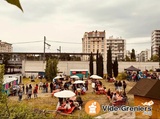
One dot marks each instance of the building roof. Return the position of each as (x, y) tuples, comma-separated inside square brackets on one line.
[(147, 88), (96, 34), (132, 68)]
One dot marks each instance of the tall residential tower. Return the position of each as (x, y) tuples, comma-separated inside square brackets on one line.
[(155, 42)]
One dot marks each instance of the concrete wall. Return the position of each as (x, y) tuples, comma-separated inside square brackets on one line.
[(65, 66)]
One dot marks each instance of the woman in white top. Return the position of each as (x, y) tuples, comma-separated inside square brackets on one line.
[(67, 106)]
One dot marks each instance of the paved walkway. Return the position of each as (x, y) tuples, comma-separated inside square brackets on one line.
[(118, 115)]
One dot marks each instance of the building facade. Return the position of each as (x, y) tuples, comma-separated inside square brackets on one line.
[(96, 40), (145, 56), (155, 42), (5, 47), (93, 41), (118, 47)]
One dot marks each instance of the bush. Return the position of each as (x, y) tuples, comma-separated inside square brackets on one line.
[(122, 76), (151, 70), (19, 111)]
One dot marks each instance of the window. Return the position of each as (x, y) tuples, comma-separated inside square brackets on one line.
[(97, 34), (93, 34)]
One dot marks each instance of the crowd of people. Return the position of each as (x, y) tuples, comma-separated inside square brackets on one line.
[(119, 94), (137, 75), (78, 89), (65, 104)]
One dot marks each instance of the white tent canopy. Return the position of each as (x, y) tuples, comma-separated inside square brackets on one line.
[(75, 77), (96, 77), (57, 77), (78, 81), (64, 94), (8, 80)]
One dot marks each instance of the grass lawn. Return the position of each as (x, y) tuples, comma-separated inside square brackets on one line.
[(49, 103)]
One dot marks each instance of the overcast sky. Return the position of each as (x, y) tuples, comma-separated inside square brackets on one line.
[(64, 21)]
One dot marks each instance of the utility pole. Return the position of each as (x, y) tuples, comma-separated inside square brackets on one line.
[(44, 56), (59, 49)]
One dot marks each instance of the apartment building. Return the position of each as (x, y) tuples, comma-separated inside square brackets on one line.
[(93, 41), (155, 42), (118, 47), (5, 47), (128, 53), (96, 40), (145, 55)]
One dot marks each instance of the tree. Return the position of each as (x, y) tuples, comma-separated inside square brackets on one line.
[(109, 62), (97, 65), (127, 58), (1, 80), (100, 62), (133, 56), (51, 69), (115, 68), (75, 58), (16, 3), (91, 64), (65, 57), (155, 58), (6, 58)]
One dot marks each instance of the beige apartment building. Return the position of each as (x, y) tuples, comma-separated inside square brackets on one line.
[(155, 42), (145, 55), (118, 47), (5, 47), (93, 41), (96, 40)]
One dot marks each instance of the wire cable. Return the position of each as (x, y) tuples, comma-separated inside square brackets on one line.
[(26, 42)]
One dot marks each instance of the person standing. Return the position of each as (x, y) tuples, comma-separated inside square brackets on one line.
[(35, 92), (20, 93), (120, 86), (23, 88), (40, 85), (46, 87), (86, 84), (93, 85), (27, 89), (29, 92), (51, 87), (79, 100), (116, 85), (124, 85)]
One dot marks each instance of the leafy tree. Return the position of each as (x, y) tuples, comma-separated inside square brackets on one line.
[(5, 60), (16, 3), (1, 80), (127, 58), (91, 64), (97, 65), (115, 68), (75, 58), (65, 57), (10, 110), (100, 62), (51, 69), (109, 62), (155, 58), (133, 56)]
